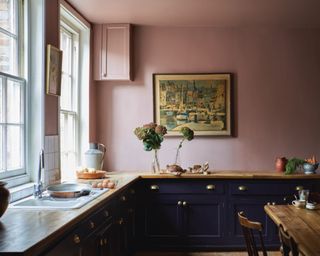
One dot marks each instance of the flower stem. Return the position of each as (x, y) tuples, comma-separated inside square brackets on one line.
[(178, 151)]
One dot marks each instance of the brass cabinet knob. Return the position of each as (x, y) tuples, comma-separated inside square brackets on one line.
[(179, 203), (123, 198), (101, 242), (184, 203), (105, 241), (106, 213), (91, 224), (211, 187), (242, 188), (76, 239), (154, 187), (121, 221), (298, 188)]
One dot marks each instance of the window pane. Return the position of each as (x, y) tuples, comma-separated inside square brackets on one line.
[(8, 54), (71, 133), (66, 93), (1, 102), (14, 102), (14, 147), (66, 41), (1, 150), (8, 10)]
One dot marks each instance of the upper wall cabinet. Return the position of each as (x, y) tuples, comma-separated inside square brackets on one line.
[(112, 53)]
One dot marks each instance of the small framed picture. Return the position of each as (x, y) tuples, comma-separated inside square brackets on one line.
[(53, 74), (201, 102)]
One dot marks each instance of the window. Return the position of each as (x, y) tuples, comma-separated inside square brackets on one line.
[(69, 114), (12, 91)]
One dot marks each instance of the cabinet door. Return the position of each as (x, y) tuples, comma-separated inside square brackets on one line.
[(162, 221), (106, 245), (253, 207), (112, 46), (203, 221)]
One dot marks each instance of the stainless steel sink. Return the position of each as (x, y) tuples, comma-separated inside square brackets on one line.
[(52, 203)]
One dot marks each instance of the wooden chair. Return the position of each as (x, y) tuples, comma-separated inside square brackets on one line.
[(249, 228), (287, 243)]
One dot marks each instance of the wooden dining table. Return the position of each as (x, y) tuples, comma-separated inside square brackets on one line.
[(302, 225)]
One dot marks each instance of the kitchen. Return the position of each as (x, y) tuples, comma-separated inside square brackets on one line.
[(270, 49)]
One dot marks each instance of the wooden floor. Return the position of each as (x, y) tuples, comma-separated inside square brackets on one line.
[(200, 254)]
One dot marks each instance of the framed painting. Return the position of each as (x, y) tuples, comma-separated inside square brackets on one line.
[(53, 68), (198, 101)]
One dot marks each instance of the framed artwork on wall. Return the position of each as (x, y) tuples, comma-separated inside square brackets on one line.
[(53, 70), (201, 102)]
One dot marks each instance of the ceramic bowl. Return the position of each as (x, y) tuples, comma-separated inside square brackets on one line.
[(310, 168)]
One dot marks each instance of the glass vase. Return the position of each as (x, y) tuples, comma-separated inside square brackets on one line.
[(155, 162)]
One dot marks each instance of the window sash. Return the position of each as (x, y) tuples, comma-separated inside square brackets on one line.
[(68, 103), (16, 35), (5, 172)]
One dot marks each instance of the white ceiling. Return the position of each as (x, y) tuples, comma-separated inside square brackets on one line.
[(208, 13)]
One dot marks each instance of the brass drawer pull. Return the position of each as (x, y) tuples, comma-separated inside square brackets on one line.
[(76, 239), (91, 224), (154, 187), (121, 221), (243, 188), (123, 198), (106, 213), (184, 203), (211, 187), (298, 188), (179, 203), (105, 241)]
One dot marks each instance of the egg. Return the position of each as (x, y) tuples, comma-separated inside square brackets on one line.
[(99, 185), (94, 184), (111, 184)]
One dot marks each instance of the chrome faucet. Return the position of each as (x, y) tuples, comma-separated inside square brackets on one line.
[(38, 187)]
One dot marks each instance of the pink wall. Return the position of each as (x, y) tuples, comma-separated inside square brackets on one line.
[(52, 37), (276, 90)]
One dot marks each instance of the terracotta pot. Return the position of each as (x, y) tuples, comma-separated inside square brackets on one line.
[(4, 197), (281, 164)]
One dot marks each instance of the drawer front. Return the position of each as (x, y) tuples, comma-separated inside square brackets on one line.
[(183, 187), (268, 188)]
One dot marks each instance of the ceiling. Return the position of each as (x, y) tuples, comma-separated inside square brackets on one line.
[(204, 13)]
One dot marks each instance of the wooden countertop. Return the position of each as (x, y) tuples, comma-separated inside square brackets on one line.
[(301, 224), (29, 231), (233, 175)]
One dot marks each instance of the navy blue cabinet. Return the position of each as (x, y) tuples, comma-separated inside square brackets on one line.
[(201, 214), (181, 214)]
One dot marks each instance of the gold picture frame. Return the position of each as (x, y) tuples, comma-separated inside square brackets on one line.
[(201, 102), (53, 70)]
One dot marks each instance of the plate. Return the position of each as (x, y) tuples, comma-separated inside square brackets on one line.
[(91, 175)]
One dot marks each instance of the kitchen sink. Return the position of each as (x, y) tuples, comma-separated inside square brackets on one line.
[(52, 203)]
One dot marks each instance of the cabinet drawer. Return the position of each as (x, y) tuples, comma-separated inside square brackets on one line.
[(183, 187), (268, 188)]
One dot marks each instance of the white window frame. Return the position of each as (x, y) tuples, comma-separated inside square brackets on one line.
[(70, 16), (18, 176), (73, 32)]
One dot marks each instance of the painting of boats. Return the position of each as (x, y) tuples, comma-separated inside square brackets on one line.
[(198, 101)]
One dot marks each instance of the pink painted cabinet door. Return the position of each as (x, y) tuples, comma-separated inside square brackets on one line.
[(111, 51)]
